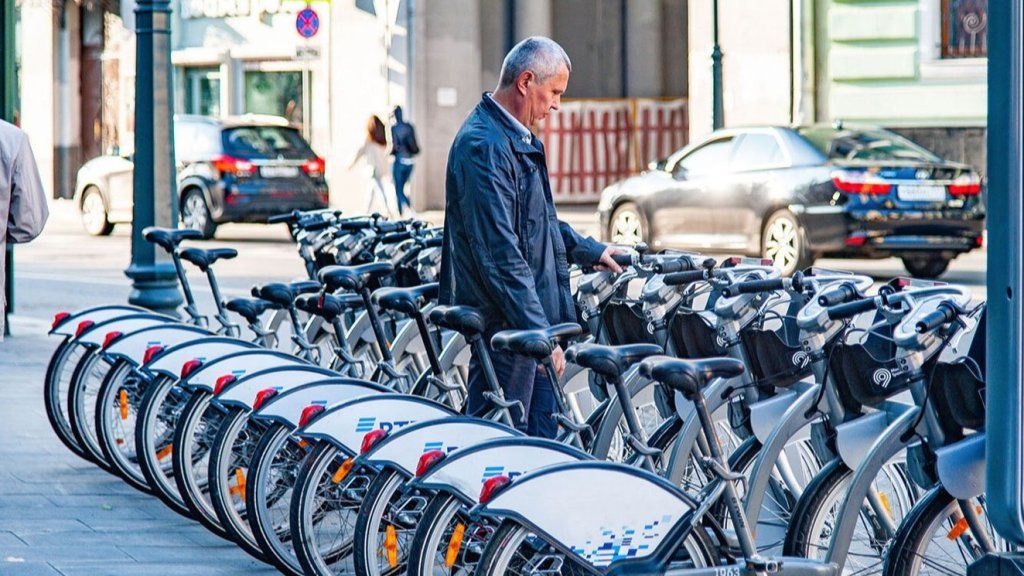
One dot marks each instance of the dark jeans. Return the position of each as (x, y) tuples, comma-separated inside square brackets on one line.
[(400, 173), (519, 380)]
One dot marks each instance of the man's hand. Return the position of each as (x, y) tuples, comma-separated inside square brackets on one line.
[(558, 360), (605, 262)]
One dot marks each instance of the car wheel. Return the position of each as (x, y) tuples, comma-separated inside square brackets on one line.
[(195, 214), (785, 243), (94, 213), (627, 226), (925, 266)]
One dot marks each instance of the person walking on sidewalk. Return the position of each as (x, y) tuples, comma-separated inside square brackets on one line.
[(404, 148), (23, 209), (505, 252), (373, 152)]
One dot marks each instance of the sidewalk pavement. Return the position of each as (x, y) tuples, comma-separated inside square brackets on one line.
[(63, 516)]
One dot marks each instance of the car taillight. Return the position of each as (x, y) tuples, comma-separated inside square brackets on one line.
[(965, 185), (860, 182), (236, 166), (58, 318), (492, 486), (314, 168)]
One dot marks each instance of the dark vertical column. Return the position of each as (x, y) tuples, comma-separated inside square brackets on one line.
[(8, 84)]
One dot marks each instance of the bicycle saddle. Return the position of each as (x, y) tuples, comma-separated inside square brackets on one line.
[(465, 320), (689, 376), (405, 300), (203, 259), (353, 277), (249, 308), (328, 306), (169, 238), (284, 294), (610, 361), (536, 344)]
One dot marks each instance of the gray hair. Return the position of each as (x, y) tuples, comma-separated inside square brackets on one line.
[(538, 54)]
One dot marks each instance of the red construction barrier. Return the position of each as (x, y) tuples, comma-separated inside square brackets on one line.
[(593, 143)]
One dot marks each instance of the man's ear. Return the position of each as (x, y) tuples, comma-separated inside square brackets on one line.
[(525, 79)]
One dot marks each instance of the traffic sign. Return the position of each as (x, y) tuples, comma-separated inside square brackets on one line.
[(307, 22)]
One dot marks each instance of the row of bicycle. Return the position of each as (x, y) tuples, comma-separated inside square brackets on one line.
[(714, 418)]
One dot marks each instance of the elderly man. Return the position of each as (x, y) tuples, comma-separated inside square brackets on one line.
[(505, 250)]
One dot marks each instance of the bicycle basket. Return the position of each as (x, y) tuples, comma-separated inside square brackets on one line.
[(624, 324), (695, 336), (774, 353), (865, 373), (958, 388)]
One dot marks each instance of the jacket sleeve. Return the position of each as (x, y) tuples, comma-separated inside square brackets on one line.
[(582, 250), (28, 200), (489, 204)]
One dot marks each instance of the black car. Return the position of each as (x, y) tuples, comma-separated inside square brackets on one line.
[(795, 194), (239, 169)]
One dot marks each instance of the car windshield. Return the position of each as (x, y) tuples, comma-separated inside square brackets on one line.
[(265, 142), (865, 144)]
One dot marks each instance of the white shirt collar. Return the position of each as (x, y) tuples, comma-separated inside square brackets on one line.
[(523, 131)]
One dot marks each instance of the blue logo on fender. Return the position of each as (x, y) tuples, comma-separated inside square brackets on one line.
[(439, 446), (365, 424), (492, 471)]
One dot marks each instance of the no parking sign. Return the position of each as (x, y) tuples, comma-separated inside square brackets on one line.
[(307, 22)]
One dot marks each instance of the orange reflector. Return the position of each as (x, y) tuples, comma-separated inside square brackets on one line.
[(122, 401), (303, 444), (239, 488), (164, 452), (454, 545), (119, 441), (343, 470), (885, 503), (391, 546), (958, 529)]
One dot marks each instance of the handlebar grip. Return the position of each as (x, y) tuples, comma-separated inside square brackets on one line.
[(838, 295), (282, 218), (672, 266), (755, 286), (683, 278), (315, 225), (623, 259), (395, 237), (433, 242), (386, 227), (942, 314), (353, 225), (851, 309)]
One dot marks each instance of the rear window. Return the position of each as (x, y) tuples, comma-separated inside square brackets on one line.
[(865, 144), (265, 142)]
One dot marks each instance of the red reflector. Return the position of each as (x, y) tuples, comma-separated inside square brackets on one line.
[(190, 367), (371, 438), (427, 461), (262, 396), (314, 167), (83, 326), (58, 318), (492, 486), (979, 241), (151, 352), (308, 413), (110, 337), (222, 382), (859, 182), (856, 240)]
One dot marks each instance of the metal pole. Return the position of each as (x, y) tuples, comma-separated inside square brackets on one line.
[(154, 283), (717, 110), (7, 88)]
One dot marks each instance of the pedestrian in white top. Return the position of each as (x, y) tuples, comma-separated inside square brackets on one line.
[(374, 154)]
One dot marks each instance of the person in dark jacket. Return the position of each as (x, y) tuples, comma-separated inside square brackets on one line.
[(404, 148), (505, 251)]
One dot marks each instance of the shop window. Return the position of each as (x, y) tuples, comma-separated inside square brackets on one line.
[(202, 91), (275, 93), (964, 28)]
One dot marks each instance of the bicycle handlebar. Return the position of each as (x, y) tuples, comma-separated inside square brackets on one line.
[(838, 295), (944, 313), (850, 309)]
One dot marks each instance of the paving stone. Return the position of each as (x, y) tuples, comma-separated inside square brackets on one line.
[(12, 567)]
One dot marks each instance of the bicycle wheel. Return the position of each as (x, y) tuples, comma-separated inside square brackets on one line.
[(385, 526), (228, 471), (816, 513), (447, 542), (514, 550), (936, 538), (159, 411), (57, 387), (86, 380), (272, 477), (116, 414), (193, 439), (325, 503), (609, 441)]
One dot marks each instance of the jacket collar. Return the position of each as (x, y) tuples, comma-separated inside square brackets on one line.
[(502, 118)]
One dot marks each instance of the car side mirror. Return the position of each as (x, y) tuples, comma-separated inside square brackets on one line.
[(658, 165)]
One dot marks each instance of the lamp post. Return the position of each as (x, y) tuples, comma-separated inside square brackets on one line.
[(154, 283), (717, 113)]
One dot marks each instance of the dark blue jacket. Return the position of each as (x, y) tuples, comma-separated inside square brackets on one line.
[(505, 251)]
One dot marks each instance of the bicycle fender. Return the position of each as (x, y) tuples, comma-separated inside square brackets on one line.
[(242, 393), (854, 439), (97, 314), (286, 407), (170, 361), (238, 365), (961, 467), (402, 449), (133, 345)]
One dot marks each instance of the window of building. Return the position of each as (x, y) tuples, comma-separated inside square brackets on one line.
[(964, 28), (202, 91)]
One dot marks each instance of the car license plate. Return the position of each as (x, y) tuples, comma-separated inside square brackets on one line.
[(921, 193), (279, 171)]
